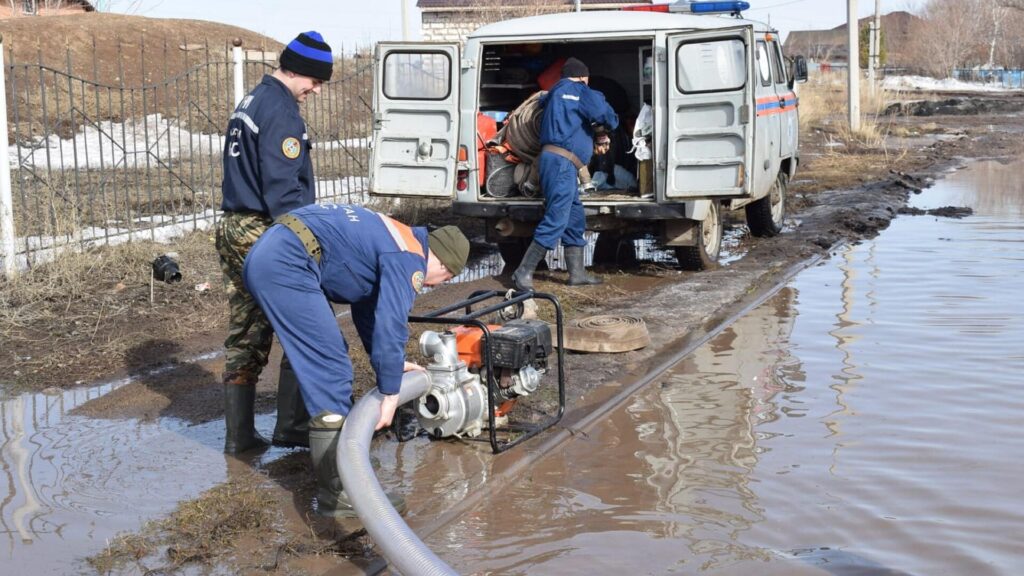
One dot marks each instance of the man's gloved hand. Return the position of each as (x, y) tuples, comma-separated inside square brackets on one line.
[(602, 141)]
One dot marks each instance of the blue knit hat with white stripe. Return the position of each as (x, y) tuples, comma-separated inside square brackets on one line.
[(308, 55)]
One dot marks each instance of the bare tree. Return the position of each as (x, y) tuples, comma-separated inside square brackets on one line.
[(998, 15), (951, 34)]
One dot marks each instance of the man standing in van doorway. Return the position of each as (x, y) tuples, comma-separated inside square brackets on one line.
[(571, 108), (267, 173)]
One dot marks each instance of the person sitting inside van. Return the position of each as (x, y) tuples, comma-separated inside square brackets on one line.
[(605, 173)]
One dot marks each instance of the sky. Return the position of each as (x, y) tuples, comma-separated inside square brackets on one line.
[(360, 23)]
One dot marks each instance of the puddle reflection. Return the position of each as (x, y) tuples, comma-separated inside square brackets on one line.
[(69, 482), (862, 420)]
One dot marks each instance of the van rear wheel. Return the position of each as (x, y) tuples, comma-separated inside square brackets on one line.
[(766, 216), (613, 248), (704, 254)]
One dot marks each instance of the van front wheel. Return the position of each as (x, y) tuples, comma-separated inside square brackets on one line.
[(766, 215), (704, 254)]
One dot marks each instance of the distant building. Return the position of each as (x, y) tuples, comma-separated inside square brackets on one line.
[(18, 8), (453, 20), (829, 46)]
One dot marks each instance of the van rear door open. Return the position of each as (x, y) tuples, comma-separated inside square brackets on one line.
[(416, 121), (710, 113)]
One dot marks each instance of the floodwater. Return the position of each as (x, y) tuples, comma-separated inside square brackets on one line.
[(70, 483), (864, 420)]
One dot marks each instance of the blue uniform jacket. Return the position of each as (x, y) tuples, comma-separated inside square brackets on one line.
[(267, 167), (377, 265), (569, 110)]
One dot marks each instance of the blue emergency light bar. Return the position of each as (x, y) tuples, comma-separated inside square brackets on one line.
[(718, 7), (692, 7)]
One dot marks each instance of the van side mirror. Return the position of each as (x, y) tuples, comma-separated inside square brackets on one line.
[(798, 70)]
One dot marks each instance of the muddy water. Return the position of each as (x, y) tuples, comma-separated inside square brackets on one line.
[(864, 420), (70, 483)]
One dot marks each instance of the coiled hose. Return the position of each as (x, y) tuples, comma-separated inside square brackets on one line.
[(399, 543)]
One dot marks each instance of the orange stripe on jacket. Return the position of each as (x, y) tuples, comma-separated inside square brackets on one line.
[(403, 236)]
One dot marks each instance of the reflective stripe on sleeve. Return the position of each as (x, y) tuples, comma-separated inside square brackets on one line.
[(402, 235), (247, 120)]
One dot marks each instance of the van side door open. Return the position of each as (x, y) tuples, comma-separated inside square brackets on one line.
[(710, 113), (416, 121)]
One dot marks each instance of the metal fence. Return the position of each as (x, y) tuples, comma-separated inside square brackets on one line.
[(1009, 79), (95, 160)]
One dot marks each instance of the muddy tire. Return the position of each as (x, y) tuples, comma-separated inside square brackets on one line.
[(615, 249), (512, 253), (709, 243), (766, 216)]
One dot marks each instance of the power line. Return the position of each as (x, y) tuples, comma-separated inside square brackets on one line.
[(776, 5)]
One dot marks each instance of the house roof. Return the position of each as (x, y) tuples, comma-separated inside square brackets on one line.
[(451, 4), (827, 44)]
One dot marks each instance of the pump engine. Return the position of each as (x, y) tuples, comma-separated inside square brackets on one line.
[(457, 402)]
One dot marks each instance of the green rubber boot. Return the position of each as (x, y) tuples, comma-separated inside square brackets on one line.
[(331, 498), (522, 278), (292, 429), (239, 419)]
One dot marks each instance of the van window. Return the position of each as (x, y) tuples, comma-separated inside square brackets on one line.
[(762, 64), (711, 66), (780, 70), (417, 75)]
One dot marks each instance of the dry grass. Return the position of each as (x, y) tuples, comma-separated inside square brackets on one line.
[(198, 531), (82, 312), (823, 106)]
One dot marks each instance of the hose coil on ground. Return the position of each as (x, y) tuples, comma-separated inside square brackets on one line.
[(607, 333)]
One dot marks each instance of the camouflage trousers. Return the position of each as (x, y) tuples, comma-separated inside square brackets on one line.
[(250, 334)]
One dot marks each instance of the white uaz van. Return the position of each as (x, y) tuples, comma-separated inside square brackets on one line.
[(721, 130)]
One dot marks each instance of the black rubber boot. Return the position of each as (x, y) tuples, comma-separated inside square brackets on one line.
[(578, 275), (522, 278), (239, 418), (331, 498), (292, 429)]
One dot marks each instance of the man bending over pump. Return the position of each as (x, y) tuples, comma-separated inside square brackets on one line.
[(320, 254)]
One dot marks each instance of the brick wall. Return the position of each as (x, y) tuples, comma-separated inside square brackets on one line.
[(451, 26)]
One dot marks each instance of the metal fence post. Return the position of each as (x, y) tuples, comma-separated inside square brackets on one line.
[(236, 54), (6, 207)]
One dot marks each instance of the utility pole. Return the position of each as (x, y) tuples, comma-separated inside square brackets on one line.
[(579, 5), (405, 20), (854, 64), (875, 46)]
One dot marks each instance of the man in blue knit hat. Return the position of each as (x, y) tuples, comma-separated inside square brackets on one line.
[(267, 173)]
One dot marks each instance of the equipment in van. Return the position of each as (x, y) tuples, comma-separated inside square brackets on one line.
[(713, 115)]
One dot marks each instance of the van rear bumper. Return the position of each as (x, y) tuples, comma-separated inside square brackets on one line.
[(534, 212)]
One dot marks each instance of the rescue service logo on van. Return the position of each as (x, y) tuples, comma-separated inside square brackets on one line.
[(291, 148), (417, 280)]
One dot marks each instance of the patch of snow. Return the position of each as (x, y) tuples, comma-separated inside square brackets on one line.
[(113, 146), (924, 83)]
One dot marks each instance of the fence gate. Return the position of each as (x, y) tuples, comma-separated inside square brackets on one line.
[(125, 144)]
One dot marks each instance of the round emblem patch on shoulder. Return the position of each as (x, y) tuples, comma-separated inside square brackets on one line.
[(291, 147), (417, 280)]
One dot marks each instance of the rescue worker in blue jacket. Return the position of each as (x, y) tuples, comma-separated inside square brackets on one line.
[(346, 254), (267, 172), (571, 108)]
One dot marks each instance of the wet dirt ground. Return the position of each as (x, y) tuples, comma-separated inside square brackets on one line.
[(177, 409)]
